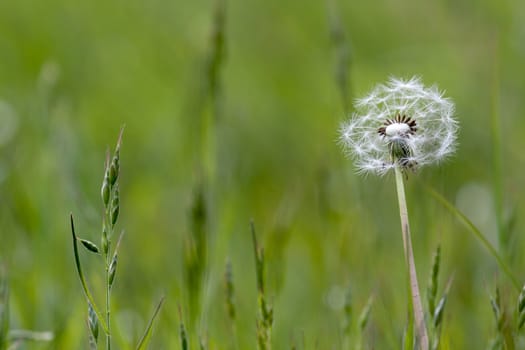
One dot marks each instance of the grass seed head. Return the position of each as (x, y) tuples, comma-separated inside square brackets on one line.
[(230, 302), (112, 270), (115, 206), (92, 322), (90, 246)]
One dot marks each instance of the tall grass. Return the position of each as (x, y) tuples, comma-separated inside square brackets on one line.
[(110, 195), (230, 111)]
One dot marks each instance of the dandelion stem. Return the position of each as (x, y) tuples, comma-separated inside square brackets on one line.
[(409, 256)]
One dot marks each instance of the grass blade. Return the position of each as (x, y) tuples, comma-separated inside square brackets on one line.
[(433, 281), (147, 333), (343, 56), (4, 308), (477, 233), (83, 280), (497, 162)]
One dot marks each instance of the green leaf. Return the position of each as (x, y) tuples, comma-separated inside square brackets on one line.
[(88, 295), (147, 333)]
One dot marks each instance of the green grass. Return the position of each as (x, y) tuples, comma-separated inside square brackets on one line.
[(241, 102)]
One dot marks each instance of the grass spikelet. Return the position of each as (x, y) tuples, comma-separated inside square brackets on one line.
[(433, 281), (495, 303), (182, 333), (346, 324), (521, 309), (265, 312), (90, 246), (436, 310), (437, 317), (217, 49), (362, 322), (110, 196), (228, 282), (93, 326), (365, 314), (197, 251), (504, 337), (343, 55), (439, 310), (230, 302)]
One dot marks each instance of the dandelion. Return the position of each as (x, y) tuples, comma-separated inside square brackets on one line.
[(400, 126), (400, 123)]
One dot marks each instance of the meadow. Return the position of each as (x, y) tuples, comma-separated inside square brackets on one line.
[(231, 113)]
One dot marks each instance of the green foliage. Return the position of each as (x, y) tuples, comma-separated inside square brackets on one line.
[(240, 102)]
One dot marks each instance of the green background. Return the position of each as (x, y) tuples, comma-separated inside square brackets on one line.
[(255, 125)]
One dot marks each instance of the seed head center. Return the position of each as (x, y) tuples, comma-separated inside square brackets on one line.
[(397, 129)]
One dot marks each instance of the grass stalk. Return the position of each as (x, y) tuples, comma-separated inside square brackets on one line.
[(111, 201), (342, 55), (4, 308), (497, 161), (477, 233), (108, 300), (419, 316), (264, 320)]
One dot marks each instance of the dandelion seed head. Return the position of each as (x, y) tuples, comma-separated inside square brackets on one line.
[(401, 119)]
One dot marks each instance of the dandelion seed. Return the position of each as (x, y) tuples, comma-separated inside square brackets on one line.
[(400, 123), (400, 126)]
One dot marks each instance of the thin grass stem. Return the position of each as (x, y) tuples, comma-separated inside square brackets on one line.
[(474, 230), (108, 301)]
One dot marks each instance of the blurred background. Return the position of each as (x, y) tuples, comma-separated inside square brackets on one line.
[(231, 112)]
